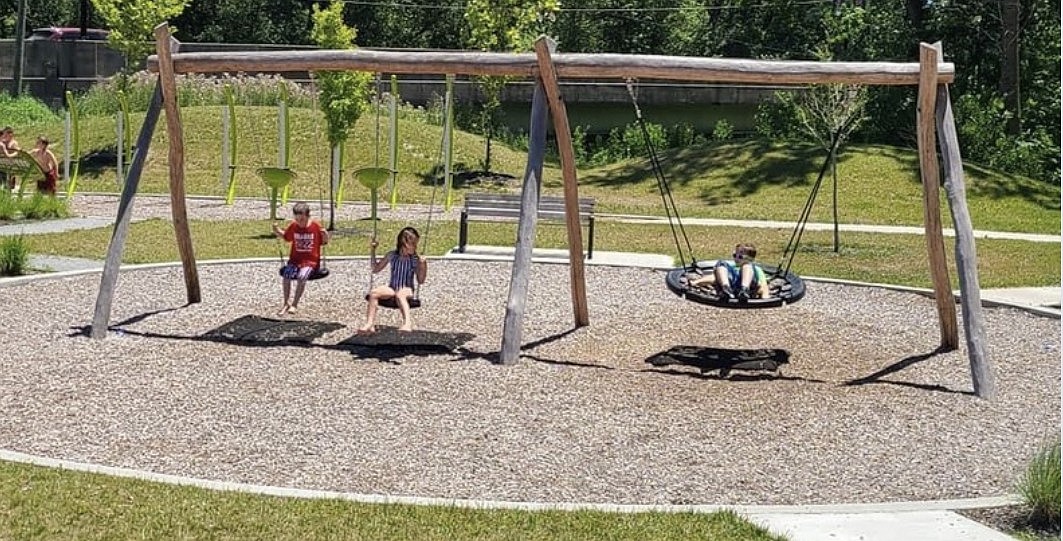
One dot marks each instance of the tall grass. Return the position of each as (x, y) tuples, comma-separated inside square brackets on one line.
[(1040, 486), (9, 206), (14, 256), (41, 207)]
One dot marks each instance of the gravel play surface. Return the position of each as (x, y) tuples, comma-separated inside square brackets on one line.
[(865, 411)]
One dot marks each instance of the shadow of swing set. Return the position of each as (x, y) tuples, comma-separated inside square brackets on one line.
[(934, 126)]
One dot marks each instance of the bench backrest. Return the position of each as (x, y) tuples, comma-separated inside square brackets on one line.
[(499, 205)]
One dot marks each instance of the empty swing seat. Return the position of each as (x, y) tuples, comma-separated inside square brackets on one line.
[(785, 288)]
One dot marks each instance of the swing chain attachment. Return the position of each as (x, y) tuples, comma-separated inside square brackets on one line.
[(630, 82)]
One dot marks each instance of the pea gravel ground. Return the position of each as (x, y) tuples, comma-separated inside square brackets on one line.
[(582, 417)]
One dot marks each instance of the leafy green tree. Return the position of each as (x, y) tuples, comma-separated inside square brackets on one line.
[(344, 95), (1020, 92), (247, 21), (39, 13), (508, 26), (828, 114), (436, 26), (132, 23)]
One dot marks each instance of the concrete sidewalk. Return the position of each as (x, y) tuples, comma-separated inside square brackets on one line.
[(880, 526), (819, 226), (54, 226)]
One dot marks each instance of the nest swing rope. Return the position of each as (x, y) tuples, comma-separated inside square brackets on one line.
[(785, 287)]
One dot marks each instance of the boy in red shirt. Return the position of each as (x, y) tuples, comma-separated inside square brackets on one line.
[(306, 237)]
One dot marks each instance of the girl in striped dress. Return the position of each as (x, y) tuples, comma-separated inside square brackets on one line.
[(406, 266)]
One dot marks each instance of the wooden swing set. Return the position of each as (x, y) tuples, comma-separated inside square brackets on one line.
[(934, 117)]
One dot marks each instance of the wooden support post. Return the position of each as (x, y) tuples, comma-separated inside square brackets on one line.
[(164, 44), (529, 210), (544, 47), (109, 278), (966, 257), (928, 167)]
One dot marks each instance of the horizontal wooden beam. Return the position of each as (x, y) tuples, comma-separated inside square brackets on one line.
[(569, 66)]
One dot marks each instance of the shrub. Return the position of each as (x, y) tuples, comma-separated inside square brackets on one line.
[(24, 110), (40, 207), (1039, 485), (193, 90), (722, 130), (9, 206), (683, 135), (775, 120), (980, 121), (14, 256)]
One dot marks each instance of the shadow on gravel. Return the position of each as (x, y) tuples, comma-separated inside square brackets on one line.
[(722, 361), (901, 365), (388, 344), (267, 331), (86, 330)]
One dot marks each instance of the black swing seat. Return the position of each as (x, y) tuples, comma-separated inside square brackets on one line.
[(317, 274), (785, 288), (394, 304)]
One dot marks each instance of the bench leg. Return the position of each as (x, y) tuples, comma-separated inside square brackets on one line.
[(463, 231), (590, 237)]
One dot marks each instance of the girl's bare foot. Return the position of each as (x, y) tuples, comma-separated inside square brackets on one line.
[(293, 309), (406, 328), (284, 310), (367, 329)]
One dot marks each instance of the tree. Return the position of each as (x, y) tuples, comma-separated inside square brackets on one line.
[(343, 94), (504, 26), (132, 23), (829, 114), (247, 21)]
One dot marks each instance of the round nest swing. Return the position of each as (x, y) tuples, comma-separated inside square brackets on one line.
[(785, 287)]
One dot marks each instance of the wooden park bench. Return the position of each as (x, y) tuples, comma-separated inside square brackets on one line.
[(500, 207)]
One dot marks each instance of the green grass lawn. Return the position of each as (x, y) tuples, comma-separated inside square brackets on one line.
[(744, 179), (44, 504)]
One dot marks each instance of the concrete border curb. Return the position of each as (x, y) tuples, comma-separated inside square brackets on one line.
[(288, 492)]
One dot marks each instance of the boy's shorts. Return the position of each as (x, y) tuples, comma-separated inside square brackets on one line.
[(293, 272), (734, 276)]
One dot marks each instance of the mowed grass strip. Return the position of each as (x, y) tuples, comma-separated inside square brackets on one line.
[(39, 503), (867, 257)]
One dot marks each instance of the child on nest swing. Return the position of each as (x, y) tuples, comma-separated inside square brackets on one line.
[(742, 279), (406, 266), (306, 237)]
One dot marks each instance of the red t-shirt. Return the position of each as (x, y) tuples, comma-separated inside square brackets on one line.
[(306, 244)]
